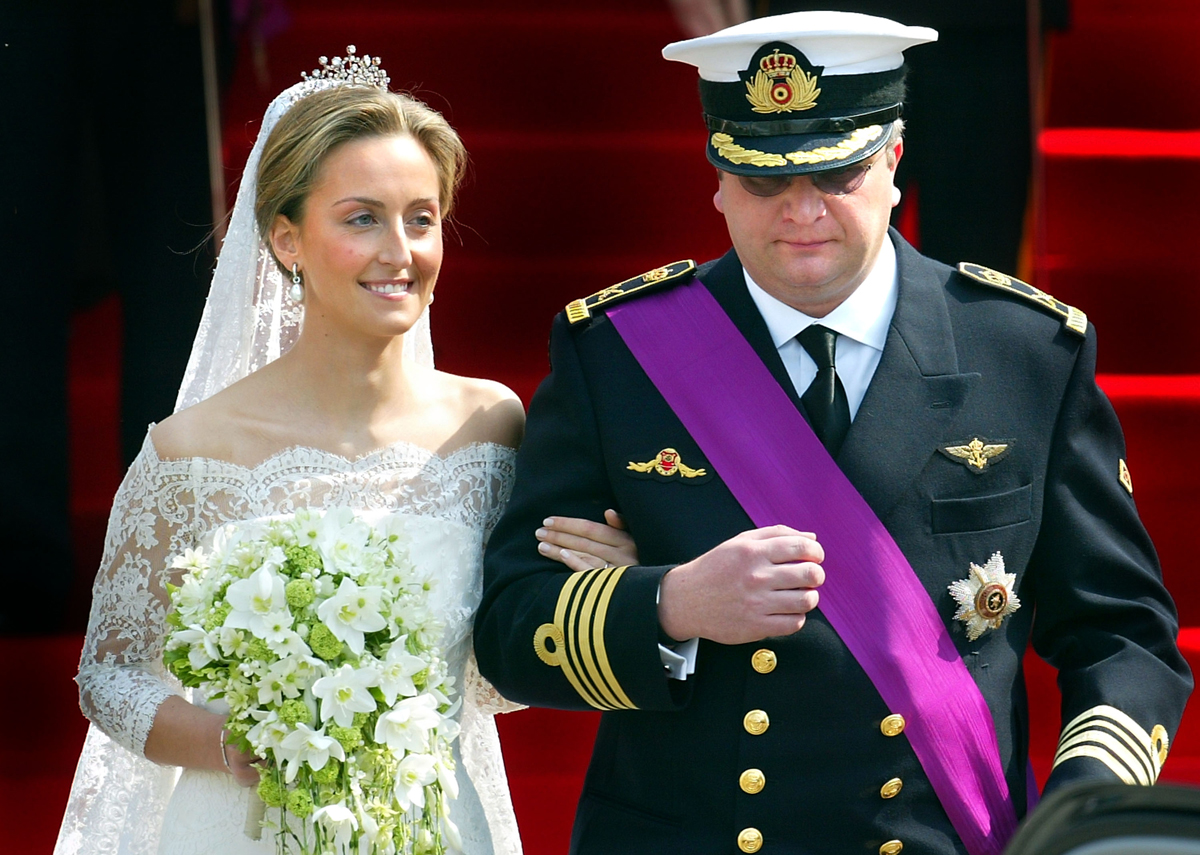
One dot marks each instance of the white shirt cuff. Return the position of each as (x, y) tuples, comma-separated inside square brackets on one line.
[(681, 661)]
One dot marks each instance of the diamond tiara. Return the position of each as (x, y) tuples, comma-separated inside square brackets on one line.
[(351, 70)]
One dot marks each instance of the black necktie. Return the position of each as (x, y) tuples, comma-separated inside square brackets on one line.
[(825, 398)]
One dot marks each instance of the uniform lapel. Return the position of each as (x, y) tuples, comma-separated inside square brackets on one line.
[(727, 283), (916, 394)]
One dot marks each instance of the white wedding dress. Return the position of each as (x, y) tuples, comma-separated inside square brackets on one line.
[(123, 803)]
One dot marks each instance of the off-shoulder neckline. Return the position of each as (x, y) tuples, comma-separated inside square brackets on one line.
[(352, 462)]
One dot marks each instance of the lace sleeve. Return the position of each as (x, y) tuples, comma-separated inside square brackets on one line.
[(121, 678)]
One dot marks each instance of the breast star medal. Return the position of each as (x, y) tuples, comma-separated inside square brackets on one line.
[(986, 597), (665, 465)]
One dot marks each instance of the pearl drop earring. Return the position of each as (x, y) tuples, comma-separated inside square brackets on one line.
[(296, 291)]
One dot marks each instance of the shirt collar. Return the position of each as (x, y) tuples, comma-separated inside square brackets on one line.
[(864, 316)]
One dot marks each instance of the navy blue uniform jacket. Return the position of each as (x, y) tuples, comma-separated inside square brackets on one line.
[(962, 360)]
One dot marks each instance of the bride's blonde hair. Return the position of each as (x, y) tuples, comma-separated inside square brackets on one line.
[(319, 123)]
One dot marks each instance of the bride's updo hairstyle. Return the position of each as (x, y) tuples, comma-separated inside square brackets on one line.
[(306, 135)]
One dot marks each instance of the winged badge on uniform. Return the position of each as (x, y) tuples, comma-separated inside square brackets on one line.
[(667, 464), (977, 454)]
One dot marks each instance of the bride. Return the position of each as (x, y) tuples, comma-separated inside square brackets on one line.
[(339, 219)]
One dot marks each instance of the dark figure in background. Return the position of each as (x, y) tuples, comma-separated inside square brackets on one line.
[(967, 114), (105, 187)]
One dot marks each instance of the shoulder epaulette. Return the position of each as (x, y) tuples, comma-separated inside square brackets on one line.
[(1073, 319), (581, 310)]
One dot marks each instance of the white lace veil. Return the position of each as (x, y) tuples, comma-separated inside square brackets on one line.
[(248, 319)]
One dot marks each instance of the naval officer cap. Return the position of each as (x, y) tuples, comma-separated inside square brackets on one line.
[(802, 92)]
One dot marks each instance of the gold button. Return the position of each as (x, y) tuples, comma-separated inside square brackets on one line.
[(893, 725), (892, 847), (751, 840), (763, 661), (891, 788), (752, 781), (756, 722)]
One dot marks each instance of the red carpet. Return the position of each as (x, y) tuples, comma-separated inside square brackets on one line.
[(586, 169)]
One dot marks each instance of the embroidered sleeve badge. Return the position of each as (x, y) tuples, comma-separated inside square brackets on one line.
[(667, 464), (986, 597), (977, 454)]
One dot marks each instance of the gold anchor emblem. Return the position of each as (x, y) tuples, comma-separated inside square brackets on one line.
[(977, 454)]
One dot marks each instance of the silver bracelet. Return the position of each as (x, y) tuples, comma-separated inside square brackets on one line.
[(224, 755)]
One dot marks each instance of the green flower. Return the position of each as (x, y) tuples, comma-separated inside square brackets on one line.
[(294, 712), (349, 737), (258, 651), (299, 803), (271, 792), (324, 643), (328, 773), (299, 593), (217, 617), (302, 558)]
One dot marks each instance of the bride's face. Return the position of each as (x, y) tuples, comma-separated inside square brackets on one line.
[(369, 245)]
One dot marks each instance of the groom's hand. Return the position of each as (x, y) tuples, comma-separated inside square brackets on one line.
[(758, 584)]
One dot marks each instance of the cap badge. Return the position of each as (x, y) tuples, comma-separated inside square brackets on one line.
[(977, 454), (1123, 475), (781, 86), (666, 464), (986, 597)]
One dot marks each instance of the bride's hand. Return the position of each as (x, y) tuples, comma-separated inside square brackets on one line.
[(586, 545), (242, 766)]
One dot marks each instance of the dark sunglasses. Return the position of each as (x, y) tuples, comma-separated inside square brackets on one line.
[(834, 182)]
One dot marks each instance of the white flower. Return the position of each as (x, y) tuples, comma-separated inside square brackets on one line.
[(233, 642), (203, 646), (286, 678), (305, 745), (345, 692), (342, 540), (351, 612), (339, 821), (415, 772), (257, 602), (407, 725), (986, 597), (453, 835), (268, 733), (399, 666), (447, 778)]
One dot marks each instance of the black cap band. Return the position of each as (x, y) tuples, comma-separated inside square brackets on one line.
[(840, 125)]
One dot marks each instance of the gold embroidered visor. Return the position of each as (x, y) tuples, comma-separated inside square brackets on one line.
[(795, 155)]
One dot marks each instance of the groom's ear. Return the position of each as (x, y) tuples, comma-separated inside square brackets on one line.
[(284, 240)]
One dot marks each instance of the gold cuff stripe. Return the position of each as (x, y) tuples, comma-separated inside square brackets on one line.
[(578, 636), (564, 658), (1099, 740), (601, 650), (1093, 728), (582, 622), (1094, 724), (1101, 755)]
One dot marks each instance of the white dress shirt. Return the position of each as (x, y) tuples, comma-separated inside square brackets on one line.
[(861, 323)]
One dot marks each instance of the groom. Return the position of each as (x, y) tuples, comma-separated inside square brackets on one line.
[(825, 416)]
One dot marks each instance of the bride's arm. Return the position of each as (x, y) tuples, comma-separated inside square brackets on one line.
[(123, 687)]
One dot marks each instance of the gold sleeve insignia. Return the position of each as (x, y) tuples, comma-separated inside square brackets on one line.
[(1123, 476), (1106, 734), (581, 310), (1073, 319), (575, 641)]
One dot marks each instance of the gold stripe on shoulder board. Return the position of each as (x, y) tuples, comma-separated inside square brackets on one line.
[(1073, 319), (581, 310)]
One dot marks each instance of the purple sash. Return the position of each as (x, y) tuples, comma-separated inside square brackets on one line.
[(714, 381)]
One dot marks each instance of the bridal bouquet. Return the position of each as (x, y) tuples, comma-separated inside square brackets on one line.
[(316, 631)]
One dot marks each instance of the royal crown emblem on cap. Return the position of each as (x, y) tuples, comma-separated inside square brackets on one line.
[(781, 86)]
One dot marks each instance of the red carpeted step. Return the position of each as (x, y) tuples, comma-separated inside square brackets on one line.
[(1160, 416), (1127, 63), (1113, 245)]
